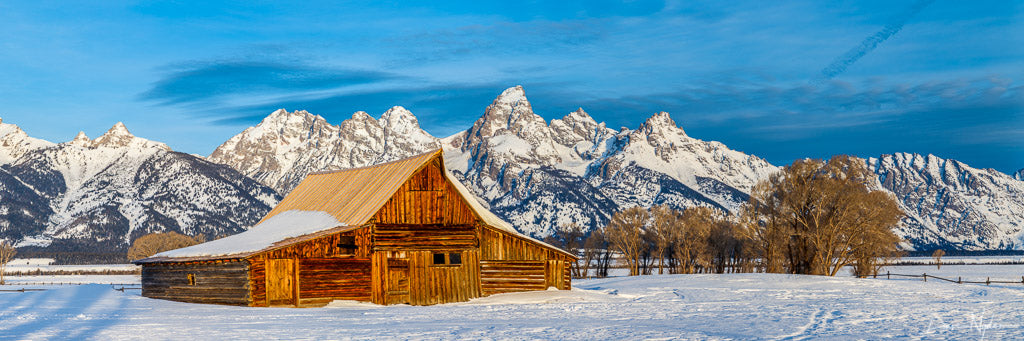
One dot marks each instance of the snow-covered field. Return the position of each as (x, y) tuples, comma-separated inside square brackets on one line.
[(43, 264), (732, 306)]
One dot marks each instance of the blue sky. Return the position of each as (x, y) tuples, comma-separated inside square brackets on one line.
[(781, 80)]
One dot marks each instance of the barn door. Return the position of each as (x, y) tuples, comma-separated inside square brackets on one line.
[(280, 282), (397, 281)]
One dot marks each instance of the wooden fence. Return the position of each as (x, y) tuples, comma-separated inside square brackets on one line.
[(958, 280)]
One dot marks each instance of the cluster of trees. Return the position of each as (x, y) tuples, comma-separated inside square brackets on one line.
[(814, 217), (155, 243)]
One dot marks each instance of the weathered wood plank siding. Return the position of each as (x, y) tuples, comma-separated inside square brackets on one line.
[(500, 245), (501, 276), (392, 237), (322, 280), (326, 247), (258, 282), (219, 282), (434, 284), (426, 199)]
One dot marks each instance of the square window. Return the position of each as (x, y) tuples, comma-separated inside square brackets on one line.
[(454, 258), (439, 259)]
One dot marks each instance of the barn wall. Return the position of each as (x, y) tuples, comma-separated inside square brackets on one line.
[(220, 282)]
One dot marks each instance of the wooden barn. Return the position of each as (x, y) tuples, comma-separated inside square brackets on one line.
[(399, 232)]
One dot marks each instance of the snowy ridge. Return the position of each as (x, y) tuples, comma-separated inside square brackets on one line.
[(535, 174), (286, 146), (110, 190), (952, 205)]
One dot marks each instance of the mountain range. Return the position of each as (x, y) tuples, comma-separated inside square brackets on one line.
[(538, 175), (98, 195)]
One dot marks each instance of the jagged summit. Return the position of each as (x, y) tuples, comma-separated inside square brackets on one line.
[(660, 124), (118, 136), (512, 96), (81, 140), (286, 146), (1019, 175), (399, 120)]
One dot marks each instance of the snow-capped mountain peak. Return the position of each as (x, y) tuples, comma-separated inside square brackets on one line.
[(661, 125), (14, 142), (81, 140), (399, 121), (118, 136), (286, 146), (512, 112), (1019, 175)]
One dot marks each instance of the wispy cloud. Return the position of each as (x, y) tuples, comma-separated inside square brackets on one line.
[(207, 81)]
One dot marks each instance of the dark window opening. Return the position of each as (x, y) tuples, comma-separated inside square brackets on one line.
[(191, 279), (454, 258), (347, 242)]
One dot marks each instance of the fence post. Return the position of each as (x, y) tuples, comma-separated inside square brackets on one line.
[(887, 277), (925, 277), (988, 280), (959, 280)]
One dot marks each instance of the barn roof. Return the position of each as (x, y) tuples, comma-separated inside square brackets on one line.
[(350, 196)]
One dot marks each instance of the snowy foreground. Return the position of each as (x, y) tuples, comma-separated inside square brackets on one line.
[(736, 306)]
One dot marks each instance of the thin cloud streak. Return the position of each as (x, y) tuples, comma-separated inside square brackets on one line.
[(841, 63)]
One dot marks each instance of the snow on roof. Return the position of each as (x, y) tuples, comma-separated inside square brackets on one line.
[(282, 226)]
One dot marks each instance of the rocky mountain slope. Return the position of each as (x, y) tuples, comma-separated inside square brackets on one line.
[(952, 205), (107, 191)]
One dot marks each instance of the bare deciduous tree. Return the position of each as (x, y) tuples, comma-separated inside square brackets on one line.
[(938, 258), (664, 226), (821, 216), (7, 252), (596, 253), (625, 233), (154, 243), (691, 247)]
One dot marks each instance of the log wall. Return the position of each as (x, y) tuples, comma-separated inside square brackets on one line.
[(501, 276), (322, 280), (219, 282), (393, 237)]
